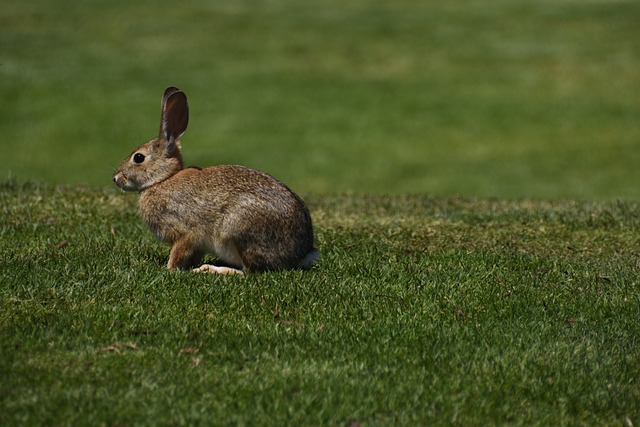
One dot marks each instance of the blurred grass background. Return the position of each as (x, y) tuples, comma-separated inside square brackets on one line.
[(492, 98)]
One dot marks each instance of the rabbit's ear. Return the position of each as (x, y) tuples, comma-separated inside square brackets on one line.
[(167, 92), (175, 114)]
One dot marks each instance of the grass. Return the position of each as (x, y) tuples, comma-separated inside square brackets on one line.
[(483, 99), (471, 168), (422, 311)]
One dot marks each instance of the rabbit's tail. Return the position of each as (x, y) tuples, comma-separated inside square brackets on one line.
[(309, 259)]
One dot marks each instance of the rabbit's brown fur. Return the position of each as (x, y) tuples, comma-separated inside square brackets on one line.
[(250, 220)]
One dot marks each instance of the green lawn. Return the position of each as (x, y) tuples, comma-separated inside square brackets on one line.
[(478, 98), (422, 311), (472, 172)]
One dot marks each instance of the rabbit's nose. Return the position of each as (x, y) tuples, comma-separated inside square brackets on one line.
[(117, 178)]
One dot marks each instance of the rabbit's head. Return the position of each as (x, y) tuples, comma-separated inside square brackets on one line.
[(160, 158)]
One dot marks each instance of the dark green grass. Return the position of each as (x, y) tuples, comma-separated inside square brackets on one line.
[(480, 98), (422, 311)]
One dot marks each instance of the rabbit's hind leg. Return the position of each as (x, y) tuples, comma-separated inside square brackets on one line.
[(215, 269)]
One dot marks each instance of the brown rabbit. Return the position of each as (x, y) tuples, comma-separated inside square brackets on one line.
[(247, 218)]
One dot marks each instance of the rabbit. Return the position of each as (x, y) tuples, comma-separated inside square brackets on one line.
[(249, 220)]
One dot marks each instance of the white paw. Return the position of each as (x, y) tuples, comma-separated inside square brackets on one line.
[(214, 269)]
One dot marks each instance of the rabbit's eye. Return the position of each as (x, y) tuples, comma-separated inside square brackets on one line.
[(138, 158)]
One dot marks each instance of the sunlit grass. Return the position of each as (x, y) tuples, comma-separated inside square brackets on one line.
[(421, 311)]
